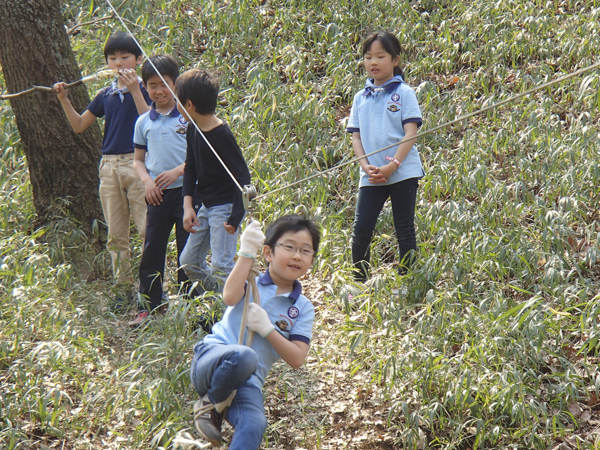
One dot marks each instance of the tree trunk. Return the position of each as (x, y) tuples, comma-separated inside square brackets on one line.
[(63, 165)]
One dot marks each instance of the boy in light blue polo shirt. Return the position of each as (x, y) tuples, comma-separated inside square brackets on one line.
[(221, 368), (160, 149)]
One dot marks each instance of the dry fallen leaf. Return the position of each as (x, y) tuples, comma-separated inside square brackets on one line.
[(574, 409)]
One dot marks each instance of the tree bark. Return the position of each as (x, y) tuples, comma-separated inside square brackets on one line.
[(63, 165)]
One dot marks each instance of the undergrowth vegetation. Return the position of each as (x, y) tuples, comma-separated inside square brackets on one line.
[(495, 343)]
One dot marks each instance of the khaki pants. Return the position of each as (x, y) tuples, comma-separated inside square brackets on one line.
[(122, 195)]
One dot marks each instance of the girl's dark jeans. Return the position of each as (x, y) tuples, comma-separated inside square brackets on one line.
[(368, 206)]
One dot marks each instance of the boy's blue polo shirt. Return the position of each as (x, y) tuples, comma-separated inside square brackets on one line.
[(163, 136), (292, 314), (121, 114), (379, 115)]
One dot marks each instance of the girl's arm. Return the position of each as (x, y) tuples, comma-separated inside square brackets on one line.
[(360, 151), (410, 130), (372, 171)]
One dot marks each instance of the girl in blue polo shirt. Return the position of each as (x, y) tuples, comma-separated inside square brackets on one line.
[(222, 369), (384, 113)]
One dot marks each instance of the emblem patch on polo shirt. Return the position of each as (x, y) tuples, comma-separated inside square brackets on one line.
[(395, 97), (293, 312), (181, 130), (182, 120), (283, 325), (393, 107)]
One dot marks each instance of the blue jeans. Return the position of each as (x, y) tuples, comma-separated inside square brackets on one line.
[(211, 235), (219, 369), (368, 207)]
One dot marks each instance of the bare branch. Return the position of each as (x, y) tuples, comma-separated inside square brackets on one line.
[(91, 22), (97, 76)]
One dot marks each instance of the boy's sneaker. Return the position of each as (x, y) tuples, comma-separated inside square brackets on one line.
[(140, 319), (208, 421)]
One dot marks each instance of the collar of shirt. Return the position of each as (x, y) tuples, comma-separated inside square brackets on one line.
[(154, 114), (115, 90), (389, 86), (265, 279)]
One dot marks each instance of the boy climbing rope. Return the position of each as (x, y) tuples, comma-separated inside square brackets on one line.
[(228, 376)]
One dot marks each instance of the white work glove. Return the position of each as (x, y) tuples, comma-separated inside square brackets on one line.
[(258, 320), (252, 239)]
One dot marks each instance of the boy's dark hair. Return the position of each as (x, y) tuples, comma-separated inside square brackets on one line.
[(166, 65), (293, 223), (200, 87), (121, 42), (390, 44)]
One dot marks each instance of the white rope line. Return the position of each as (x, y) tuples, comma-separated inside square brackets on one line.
[(174, 96), (436, 128)]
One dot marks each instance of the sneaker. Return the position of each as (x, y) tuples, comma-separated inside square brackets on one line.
[(141, 318), (208, 421)]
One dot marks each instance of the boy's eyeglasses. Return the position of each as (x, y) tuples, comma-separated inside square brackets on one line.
[(308, 252)]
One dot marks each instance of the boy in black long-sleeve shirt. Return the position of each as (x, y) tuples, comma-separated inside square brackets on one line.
[(215, 226)]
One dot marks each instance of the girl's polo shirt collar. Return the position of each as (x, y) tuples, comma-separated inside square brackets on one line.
[(389, 86), (265, 279)]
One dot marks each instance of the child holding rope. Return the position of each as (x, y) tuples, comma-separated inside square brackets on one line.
[(121, 190), (222, 369), (215, 226), (383, 113)]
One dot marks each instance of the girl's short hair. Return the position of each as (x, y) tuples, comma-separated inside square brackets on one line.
[(292, 223), (166, 65), (121, 41), (200, 87), (390, 44)]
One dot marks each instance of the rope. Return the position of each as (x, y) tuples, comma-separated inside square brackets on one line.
[(431, 130), (252, 289)]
